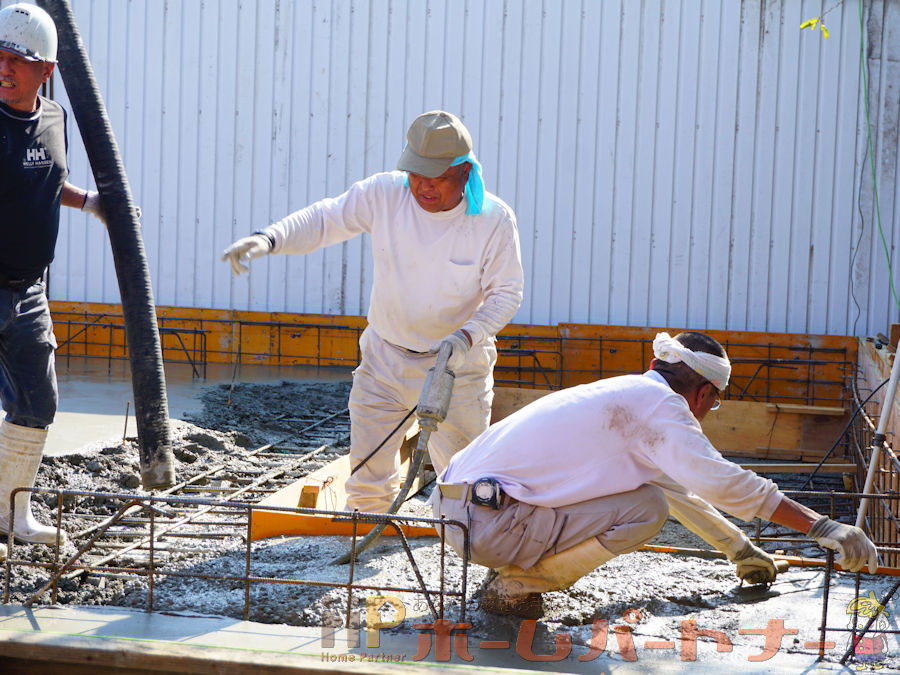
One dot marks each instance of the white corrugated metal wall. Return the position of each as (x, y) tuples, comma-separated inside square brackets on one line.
[(683, 163)]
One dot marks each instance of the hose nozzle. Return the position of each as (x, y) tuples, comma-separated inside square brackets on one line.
[(434, 401)]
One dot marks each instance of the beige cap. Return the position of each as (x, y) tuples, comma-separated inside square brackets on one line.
[(434, 140)]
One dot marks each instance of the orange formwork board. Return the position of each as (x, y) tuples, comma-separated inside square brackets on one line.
[(323, 489), (875, 369), (277, 523), (98, 332), (315, 345), (578, 330), (529, 356), (808, 368), (270, 338), (277, 338)]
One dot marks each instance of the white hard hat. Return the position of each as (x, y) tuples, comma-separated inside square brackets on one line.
[(27, 30)]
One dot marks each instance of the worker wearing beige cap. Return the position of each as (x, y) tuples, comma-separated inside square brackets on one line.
[(588, 473), (447, 269)]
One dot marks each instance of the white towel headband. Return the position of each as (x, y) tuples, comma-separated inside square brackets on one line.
[(714, 368)]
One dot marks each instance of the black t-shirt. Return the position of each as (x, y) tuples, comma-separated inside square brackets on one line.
[(32, 173)]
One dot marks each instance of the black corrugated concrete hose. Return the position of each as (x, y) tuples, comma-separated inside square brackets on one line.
[(132, 270)]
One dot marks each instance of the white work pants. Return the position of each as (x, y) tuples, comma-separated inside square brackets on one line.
[(386, 386)]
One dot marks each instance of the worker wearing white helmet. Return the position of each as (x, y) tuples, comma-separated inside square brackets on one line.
[(447, 268), (588, 473), (33, 185)]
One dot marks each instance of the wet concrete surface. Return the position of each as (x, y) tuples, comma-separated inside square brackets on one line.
[(776, 633), (95, 394), (642, 611)]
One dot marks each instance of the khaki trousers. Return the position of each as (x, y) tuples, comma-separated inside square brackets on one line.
[(522, 534)]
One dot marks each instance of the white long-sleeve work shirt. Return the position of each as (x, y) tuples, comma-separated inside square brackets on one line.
[(604, 438), (433, 272)]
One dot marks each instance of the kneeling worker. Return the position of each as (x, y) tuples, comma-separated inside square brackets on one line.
[(588, 473)]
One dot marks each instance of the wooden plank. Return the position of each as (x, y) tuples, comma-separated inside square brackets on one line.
[(786, 454), (274, 523), (821, 431), (507, 400), (750, 352), (547, 355), (43, 652), (795, 409), (774, 431), (800, 467), (324, 489), (744, 426)]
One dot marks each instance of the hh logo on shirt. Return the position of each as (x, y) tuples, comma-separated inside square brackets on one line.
[(36, 157)]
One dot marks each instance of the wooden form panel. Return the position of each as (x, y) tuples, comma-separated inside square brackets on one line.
[(95, 329), (874, 368), (741, 428), (775, 431), (265, 338), (324, 489), (507, 400), (806, 369), (529, 356)]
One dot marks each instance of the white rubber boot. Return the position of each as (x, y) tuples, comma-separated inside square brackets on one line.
[(518, 591), (21, 450)]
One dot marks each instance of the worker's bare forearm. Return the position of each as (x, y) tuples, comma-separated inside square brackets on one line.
[(795, 516), (72, 196)]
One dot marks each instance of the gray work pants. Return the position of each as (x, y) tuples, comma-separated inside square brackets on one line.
[(521, 534)]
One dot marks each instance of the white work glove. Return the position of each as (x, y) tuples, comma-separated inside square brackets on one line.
[(92, 205), (459, 342), (853, 547), (246, 249), (754, 565)]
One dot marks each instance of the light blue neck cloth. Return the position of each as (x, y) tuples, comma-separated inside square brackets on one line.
[(475, 184)]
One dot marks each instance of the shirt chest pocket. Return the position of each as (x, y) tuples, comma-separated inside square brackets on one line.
[(463, 279)]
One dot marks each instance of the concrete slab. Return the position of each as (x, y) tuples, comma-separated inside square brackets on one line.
[(116, 640), (771, 631), (94, 395)]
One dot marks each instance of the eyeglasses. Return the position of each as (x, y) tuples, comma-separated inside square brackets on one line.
[(718, 403)]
